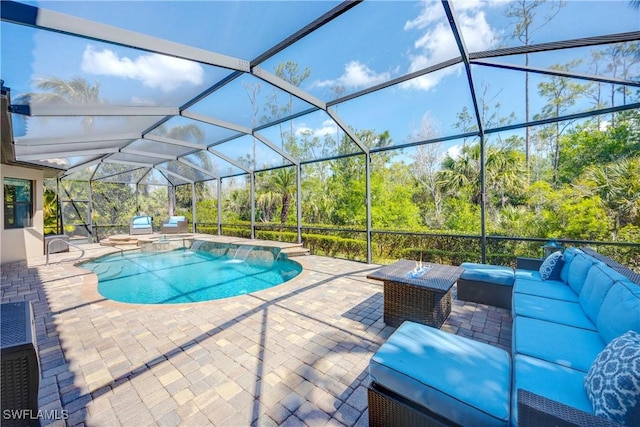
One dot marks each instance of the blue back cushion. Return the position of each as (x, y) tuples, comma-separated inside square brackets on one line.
[(142, 220), (620, 311), (567, 258), (597, 284), (578, 270)]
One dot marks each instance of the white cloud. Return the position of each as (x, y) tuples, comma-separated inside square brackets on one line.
[(604, 125), (436, 43), (356, 75), (57, 162), (432, 11), (328, 128), (478, 34), (152, 70), (455, 151)]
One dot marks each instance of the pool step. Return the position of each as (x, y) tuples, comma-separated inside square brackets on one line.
[(289, 249), (294, 251), (120, 240)]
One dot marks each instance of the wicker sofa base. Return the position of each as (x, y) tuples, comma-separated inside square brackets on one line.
[(536, 411), (389, 409), (420, 304), (485, 293)]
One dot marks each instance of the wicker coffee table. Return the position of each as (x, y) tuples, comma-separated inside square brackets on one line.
[(425, 299)]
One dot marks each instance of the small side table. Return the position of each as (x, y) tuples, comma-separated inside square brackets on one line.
[(425, 299)]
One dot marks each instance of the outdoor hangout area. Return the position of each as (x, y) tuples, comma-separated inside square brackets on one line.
[(341, 344), (294, 354), (256, 213)]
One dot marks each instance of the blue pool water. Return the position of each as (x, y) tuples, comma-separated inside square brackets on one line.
[(182, 276)]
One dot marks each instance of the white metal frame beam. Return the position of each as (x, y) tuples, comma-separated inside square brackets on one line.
[(62, 154), (347, 130), (172, 141), (228, 159), (32, 142), (147, 154), (128, 162), (557, 73), (198, 168), (40, 110), (174, 174), (275, 148), (287, 87), (81, 166), (631, 36), (23, 14), (216, 122)]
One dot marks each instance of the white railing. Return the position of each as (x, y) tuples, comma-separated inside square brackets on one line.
[(67, 242)]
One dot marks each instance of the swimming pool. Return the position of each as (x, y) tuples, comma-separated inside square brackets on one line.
[(183, 275)]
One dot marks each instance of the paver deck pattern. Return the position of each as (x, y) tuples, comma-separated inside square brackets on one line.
[(293, 355)]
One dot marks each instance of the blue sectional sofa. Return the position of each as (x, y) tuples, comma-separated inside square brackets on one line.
[(561, 325), (564, 329)]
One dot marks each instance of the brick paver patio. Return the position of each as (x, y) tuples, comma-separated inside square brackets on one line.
[(292, 355)]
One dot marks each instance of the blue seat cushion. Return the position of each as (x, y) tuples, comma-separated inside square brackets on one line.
[(496, 274), (465, 381), (528, 274), (553, 310), (620, 311), (170, 224), (549, 289), (569, 346), (550, 380)]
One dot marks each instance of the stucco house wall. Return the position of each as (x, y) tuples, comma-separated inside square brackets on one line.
[(19, 244)]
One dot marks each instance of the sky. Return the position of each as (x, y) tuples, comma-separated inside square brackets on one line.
[(370, 44)]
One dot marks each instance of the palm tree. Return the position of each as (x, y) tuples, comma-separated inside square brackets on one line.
[(50, 210), (283, 183), (463, 173), (70, 92), (267, 202), (618, 185), (504, 173), (192, 133)]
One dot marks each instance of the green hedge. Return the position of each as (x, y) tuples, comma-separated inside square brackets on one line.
[(443, 248), (334, 246)]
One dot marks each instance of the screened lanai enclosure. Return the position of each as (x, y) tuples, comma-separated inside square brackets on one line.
[(370, 130)]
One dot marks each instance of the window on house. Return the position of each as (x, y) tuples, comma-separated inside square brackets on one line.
[(18, 203)]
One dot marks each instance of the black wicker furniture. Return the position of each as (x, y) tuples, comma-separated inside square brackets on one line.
[(409, 295), (566, 331), (20, 367), (486, 284), (424, 376)]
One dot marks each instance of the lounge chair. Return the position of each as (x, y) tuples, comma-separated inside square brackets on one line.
[(141, 224), (176, 224)]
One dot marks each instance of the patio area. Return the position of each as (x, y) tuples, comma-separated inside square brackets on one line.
[(296, 354)]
